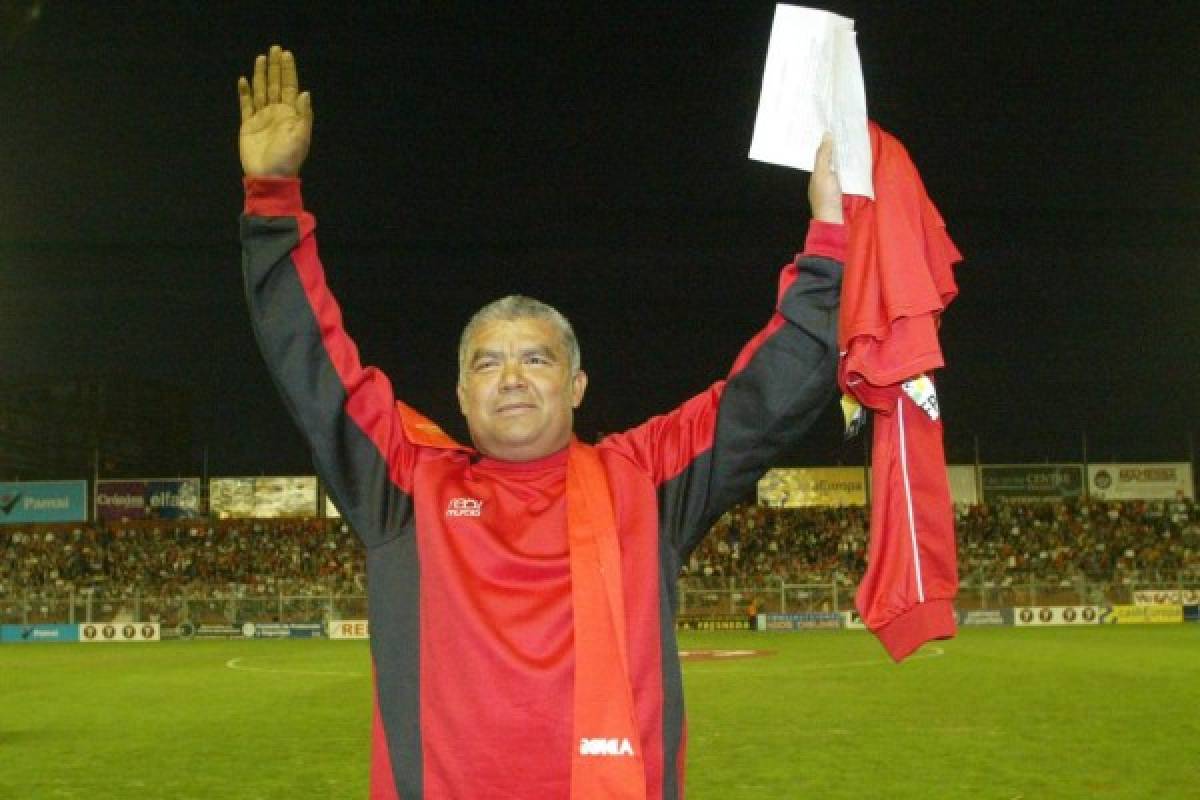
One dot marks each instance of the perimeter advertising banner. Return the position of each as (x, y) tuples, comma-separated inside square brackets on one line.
[(803, 487), (148, 499), (1140, 481), (1145, 615), (283, 630), (1059, 615), (814, 620), (1031, 483), (350, 629), (120, 632), (43, 501), (263, 498), (36, 634), (1166, 597)]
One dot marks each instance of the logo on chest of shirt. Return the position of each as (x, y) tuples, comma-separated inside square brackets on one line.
[(464, 507)]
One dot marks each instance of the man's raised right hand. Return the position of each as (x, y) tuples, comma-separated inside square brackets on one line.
[(276, 117)]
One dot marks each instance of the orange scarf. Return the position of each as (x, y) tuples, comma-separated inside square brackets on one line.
[(606, 760)]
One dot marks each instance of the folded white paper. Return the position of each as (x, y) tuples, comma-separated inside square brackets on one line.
[(813, 85)]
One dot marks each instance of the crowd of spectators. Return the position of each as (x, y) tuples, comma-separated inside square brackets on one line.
[(159, 562), (998, 545)]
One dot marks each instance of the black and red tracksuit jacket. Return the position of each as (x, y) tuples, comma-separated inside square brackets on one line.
[(467, 563)]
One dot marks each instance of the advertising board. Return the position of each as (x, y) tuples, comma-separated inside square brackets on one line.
[(803, 487), (1057, 615), (1031, 483), (263, 497), (43, 501), (177, 498), (120, 632), (349, 629), (815, 620), (1156, 481), (1145, 615), (36, 634), (283, 630)]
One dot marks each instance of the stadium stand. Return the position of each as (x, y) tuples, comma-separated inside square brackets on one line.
[(228, 570)]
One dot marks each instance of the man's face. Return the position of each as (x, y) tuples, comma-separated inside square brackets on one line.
[(517, 391)]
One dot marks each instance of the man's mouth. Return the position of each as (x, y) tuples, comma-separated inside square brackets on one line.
[(515, 408)]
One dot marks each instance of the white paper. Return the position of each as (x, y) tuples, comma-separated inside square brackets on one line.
[(813, 85)]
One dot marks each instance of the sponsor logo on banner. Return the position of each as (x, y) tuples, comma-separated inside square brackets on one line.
[(1032, 483), (1146, 615), (986, 617), (713, 622), (349, 629), (120, 632), (148, 499), (43, 501), (1166, 597), (35, 634), (1057, 615), (263, 498), (802, 487), (1162, 481), (815, 620), (283, 630)]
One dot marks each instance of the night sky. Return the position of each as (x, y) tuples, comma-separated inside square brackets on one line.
[(598, 161)]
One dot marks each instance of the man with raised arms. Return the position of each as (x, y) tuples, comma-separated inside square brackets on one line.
[(522, 589)]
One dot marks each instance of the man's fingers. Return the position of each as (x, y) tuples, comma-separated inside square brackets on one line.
[(260, 82), (274, 71), (245, 100), (304, 107), (824, 158), (291, 83)]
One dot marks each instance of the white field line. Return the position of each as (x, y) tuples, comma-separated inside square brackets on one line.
[(235, 664)]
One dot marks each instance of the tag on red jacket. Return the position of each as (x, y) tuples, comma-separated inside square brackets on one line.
[(920, 390)]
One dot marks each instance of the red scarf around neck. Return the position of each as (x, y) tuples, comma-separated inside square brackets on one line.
[(606, 761)]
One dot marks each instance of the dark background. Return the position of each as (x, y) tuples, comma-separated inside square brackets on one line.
[(597, 160)]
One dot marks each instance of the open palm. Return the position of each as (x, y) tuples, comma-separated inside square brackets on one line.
[(276, 117)]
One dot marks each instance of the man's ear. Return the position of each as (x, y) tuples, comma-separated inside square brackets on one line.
[(578, 387)]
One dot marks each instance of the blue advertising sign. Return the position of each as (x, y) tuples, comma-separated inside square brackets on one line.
[(28, 634), (813, 620), (283, 630), (43, 501)]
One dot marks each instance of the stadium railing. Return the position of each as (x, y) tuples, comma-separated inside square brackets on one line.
[(294, 601)]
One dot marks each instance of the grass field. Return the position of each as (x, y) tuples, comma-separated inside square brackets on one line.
[(1100, 712)]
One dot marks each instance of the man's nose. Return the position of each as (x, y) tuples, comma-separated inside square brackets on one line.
[(512, 375)]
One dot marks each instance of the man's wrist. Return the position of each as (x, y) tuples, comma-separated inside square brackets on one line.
[(826, 239), (272, 197)]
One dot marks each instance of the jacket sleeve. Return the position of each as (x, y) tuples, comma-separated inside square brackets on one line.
[(706, 454), (347, 413)]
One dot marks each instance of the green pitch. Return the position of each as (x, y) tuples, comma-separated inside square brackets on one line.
[(1106, 712)]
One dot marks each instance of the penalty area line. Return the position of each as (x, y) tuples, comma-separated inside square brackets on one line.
[(236, 664)]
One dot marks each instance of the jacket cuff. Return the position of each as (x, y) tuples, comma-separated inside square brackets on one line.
[(933, 619), (272, 197), (826, 239)]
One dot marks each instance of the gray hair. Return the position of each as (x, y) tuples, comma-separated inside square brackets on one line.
[(511, 308)]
